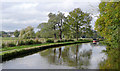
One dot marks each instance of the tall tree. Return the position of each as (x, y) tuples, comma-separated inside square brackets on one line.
[(77, 20), (53, 20), (60, 18), (53, 25)]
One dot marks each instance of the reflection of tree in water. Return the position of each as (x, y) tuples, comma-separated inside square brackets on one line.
[(70, 56)]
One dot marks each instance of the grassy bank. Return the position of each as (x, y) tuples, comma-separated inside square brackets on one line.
[(26, 50)]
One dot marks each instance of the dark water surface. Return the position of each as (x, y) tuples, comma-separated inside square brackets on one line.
[(77, 56)]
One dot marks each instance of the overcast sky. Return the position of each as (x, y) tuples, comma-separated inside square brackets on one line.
[(20, 14)]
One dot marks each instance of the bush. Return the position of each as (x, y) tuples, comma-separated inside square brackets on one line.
[(49, 41), (21, 43), (65, 40), (29, 42), (70, 40), (10, 45), (37, 41), (60, 41), (3, 45), (80, 39)]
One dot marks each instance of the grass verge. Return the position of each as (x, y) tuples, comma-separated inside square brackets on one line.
[(27, 51)]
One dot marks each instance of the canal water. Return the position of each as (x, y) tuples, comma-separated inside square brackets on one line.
[(77, 56)]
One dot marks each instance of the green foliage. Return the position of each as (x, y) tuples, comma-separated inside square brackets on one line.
[(29, 42), (53, 27), (45, 29), (20, 43), (65, 40), (16, 33), (61, 41), (10, 44), (49, 41), (3, 45), (27, 33), (113, 59), (108, 23), (38, 35), (37, 41), (77, 21)]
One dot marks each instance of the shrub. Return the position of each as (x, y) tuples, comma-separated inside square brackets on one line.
[(49, 41), (10, 44), (29, 42), (70, 40), (60, 41), (3, 45), (37, 41), (21, 43), (80, 39), (65, 40)]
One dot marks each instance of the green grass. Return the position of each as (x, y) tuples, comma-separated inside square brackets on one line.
[(15, 39), (30, 46), (15, 52), (23, 46), (9, 38)]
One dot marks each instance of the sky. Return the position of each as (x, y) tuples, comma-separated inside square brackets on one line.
[(18, 14)]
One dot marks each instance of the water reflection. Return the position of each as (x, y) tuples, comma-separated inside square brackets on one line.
[(78, 56)]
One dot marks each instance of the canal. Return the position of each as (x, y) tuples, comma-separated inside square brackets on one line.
[(77, 56)]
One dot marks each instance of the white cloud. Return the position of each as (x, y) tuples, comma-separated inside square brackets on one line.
[(43, 1), (68, 3), (25, 6), (23, 14)]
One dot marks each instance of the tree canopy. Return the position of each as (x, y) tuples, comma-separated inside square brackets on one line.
[(108, 23), (77, 20)]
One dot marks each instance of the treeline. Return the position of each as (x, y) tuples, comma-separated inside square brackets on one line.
[(59, 26), (6, 34), (9, 34), (75, 25)]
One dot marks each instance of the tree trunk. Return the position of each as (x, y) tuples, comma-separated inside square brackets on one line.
[(54, 32), (55, 35), (77, 33), (60, 32)]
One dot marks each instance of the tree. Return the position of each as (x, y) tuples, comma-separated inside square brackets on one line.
[(27, 33), (45, 29), (61, 18), (77, 20), (108, 23), (16, 33), (53, 25)]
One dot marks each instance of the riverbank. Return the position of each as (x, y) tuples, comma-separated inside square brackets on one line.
[(27, 51), (113, 59)]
